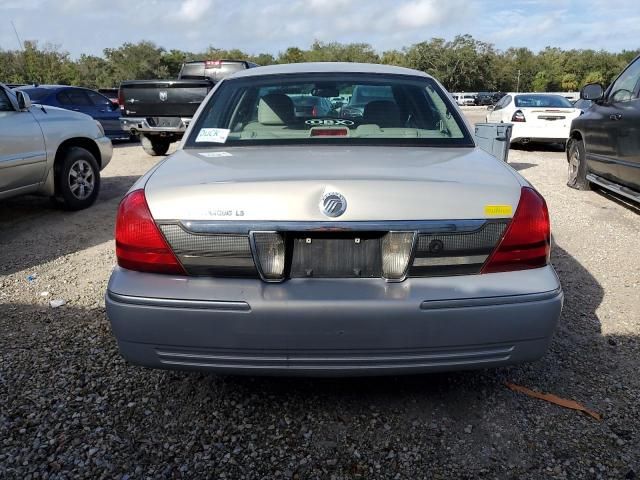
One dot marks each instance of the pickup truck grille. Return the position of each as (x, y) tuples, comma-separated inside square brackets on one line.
[(334, 254)]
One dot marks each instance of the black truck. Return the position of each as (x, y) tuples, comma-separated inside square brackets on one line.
[(159, 111)]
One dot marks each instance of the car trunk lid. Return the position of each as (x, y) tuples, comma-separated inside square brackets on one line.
[(288, 184)]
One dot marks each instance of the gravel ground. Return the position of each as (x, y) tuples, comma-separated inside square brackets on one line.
[(70, 407)]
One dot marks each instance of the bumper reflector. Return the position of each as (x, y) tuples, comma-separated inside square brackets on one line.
[(396, 253), (269, 250)]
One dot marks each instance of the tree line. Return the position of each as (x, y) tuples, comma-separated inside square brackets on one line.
[(461, 64)]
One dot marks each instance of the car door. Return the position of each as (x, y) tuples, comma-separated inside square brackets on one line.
[(107, 113), (623, 125), (608, 127), (76, 99), (23, 156)]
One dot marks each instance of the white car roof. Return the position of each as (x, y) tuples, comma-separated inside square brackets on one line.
[(328, 67)]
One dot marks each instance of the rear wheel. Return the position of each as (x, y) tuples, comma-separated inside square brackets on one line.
[(77, 179), (577, 166), (154, 146)]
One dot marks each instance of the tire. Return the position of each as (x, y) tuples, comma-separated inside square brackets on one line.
[(77, 179), (577, 166), (154, 147)]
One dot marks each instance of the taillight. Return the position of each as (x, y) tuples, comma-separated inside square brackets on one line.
[(329, 132), (526, 242), (212, 64), (518, 116), (121, 99), (139, 244)]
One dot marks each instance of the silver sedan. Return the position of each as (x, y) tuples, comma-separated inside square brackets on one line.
[(386, 242)]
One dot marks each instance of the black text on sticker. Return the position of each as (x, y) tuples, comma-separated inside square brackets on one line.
[(329, 122)]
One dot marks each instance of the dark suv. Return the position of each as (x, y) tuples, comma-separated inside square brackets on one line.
[(604, 145), (484, 99)]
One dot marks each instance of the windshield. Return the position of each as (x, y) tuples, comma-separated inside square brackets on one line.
[(545, 101), (297, 109)]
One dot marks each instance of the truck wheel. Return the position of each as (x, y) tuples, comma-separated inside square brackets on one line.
[(577, 166), (77, 179), (153, 146)]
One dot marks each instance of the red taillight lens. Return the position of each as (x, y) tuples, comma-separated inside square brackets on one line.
[(526, 242), (518, 116), (121, 99), (139, 244), (329, 132)]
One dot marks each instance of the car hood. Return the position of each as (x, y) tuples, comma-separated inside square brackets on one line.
[(287, 184), (57, 112)]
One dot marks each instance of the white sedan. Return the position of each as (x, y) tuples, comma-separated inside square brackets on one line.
[(538, 117)]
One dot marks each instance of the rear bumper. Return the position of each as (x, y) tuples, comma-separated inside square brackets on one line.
[(142, 125), (333, 327), (550, 133)]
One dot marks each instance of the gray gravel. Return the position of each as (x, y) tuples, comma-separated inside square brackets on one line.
[(70, 407)]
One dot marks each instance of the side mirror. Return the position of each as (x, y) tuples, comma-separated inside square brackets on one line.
[(592, 91), (114, 106), (24, 102)]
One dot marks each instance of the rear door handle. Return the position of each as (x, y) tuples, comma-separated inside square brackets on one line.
[(615, 116)]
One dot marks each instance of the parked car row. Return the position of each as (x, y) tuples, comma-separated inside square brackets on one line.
[(477, 99), (280, 203), (83, 100)]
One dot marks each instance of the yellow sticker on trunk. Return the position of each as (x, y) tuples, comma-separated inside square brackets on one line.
[(498, 210)]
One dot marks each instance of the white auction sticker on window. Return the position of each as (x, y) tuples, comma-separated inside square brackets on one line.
[(214, 135), (216, 154)]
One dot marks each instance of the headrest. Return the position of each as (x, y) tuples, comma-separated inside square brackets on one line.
[(383, 113), (275, 109)]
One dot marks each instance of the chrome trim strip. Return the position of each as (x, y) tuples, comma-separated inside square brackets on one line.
[(446, 261), (179, 303), (355, 358), (420, 226), (352, 367), (490, 301)]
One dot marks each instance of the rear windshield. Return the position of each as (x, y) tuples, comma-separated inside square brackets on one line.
[(542, 101), (383, 109)]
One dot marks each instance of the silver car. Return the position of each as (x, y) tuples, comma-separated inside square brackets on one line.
[(50, 151), (384, 243)]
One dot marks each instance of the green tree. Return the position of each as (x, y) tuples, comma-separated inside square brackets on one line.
[(462, 64), (136, 61), (594, 77), (569, 82), (394, 57), (291, 55), (540, 82)]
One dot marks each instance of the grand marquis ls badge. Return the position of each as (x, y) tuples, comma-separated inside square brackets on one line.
[(333, 204)]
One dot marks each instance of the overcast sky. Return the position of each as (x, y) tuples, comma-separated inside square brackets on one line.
[(88, 26)]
